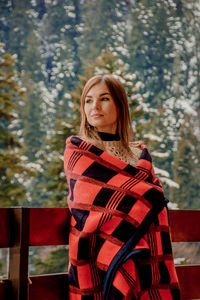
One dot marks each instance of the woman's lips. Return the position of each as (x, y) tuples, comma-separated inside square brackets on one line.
[(97, 115)]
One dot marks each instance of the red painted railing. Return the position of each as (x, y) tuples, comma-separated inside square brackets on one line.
[(24, 227)]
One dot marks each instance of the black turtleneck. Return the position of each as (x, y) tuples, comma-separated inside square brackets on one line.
[(109, 136)]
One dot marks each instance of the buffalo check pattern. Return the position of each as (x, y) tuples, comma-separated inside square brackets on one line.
[(110, 203)]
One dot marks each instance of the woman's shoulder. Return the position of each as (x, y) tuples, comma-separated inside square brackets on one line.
[(136, 148), (72, 138), (76, 141)]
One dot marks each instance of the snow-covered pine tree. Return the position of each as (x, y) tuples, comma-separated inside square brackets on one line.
[(15, 171), (186, 168)]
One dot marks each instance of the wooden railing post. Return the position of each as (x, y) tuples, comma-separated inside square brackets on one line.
[(18, 264)]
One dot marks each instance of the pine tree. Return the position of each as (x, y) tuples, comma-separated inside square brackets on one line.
[(57, 31), (182, 109), (161, 152), (103, 25), (22, 39), (164, 44), (186, 169), (20, 24), (13, 170), (31, 115), (152, 45)]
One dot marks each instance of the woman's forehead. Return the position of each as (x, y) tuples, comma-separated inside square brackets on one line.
[(99, 88)]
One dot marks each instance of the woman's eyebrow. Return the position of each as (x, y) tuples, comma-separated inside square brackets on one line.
[(103, 94)]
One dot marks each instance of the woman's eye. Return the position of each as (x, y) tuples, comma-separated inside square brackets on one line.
[(105, 99), (88, 100)]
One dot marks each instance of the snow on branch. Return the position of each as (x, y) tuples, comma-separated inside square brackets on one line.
[(160, 154), (169, 182)]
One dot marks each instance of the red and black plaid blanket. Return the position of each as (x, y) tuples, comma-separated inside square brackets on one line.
[(120, 245)]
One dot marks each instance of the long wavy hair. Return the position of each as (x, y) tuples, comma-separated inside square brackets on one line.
[(119, 95)]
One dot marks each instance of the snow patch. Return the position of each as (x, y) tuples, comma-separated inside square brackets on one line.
[(152, 137), (169, 182), (161, 172), (160, 154)]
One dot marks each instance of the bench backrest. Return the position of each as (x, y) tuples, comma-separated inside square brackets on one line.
[(23, 227)]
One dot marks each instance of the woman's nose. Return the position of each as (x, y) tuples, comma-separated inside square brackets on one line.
[(96, 104)]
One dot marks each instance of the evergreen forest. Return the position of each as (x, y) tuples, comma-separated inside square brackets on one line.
[(50, 48)]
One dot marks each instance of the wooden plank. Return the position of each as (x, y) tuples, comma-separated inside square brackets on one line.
[(184, 226), (49, 226), (55, 286), (18, 264), (5, 227), (189, 280), (51, 287)]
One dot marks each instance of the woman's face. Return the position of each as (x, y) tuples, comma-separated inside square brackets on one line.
[(100, 109)]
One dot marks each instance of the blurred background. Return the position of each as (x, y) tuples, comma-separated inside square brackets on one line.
[(49, 49)]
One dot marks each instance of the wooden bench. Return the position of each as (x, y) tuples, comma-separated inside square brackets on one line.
[(23, 227)]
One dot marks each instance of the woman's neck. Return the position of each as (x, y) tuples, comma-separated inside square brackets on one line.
[(109, 136)]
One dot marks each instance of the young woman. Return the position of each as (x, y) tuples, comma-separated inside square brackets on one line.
[(119, 241)]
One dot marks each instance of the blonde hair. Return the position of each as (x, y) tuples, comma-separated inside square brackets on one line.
[(119, 95)]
